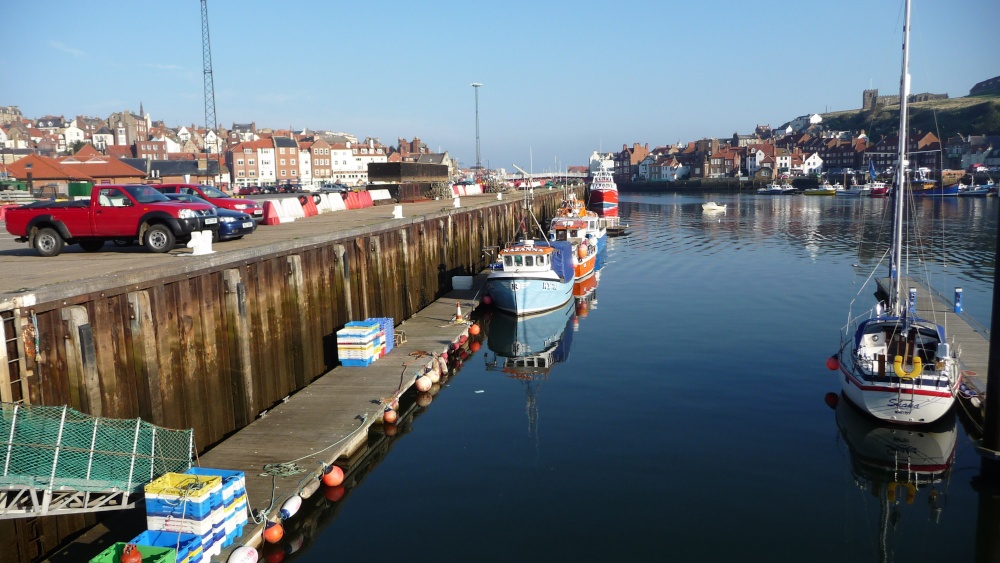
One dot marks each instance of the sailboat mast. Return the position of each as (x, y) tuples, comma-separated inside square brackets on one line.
[(902, 167)]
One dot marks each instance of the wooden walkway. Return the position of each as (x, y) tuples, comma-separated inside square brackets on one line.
[(329, 419), (972, 340)]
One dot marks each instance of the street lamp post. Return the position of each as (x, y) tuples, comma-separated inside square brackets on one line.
[(479, 163)]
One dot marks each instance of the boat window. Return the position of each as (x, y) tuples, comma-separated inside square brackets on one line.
[(518, 260), (508, 261), (540, 261), (529, 260)]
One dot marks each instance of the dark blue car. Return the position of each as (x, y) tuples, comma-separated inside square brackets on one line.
[(232, 224)]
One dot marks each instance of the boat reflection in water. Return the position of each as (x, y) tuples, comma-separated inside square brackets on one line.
[(527, 347), (906, 468)]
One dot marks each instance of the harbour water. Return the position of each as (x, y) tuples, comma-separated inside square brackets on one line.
[(684, 418)]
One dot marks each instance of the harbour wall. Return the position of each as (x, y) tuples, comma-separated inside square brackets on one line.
[(211, 348)]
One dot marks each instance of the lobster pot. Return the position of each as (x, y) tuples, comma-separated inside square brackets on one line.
[(234, 500), (358, 343), (388, 331), (188, 546), (189, 504), (150, 554)]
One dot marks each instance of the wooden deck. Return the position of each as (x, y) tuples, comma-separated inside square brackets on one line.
[(329, 419), (972, 340)]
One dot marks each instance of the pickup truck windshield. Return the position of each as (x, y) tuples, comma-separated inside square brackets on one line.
[(209, 191), (145, 194)]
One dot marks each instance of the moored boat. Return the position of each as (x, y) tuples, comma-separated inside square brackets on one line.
[(712, 207), (602, 194), (575, 230), (895, 365), (826, 188), (530, 278)]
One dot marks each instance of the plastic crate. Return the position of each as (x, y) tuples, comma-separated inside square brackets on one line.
[(150, 554), (188, 546), (234, 483), (357, 363)]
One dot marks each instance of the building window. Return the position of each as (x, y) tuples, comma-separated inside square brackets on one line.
[(240, 162), (292, 162), (250, 162), (281, 150), (282, 172)]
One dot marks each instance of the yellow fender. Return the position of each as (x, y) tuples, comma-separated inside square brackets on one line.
[(897, 366)]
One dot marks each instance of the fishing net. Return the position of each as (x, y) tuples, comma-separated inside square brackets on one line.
[(58, 447)]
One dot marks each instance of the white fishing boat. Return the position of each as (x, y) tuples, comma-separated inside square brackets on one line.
[(595, 229), (712, 207), (895, 365)]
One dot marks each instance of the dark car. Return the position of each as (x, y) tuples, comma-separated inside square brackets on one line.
[(232, 224), (334, 189)]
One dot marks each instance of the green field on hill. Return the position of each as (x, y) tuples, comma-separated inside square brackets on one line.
[(975, 115)]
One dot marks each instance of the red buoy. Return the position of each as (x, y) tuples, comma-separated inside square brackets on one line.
[(832, 363), (831, 400), (389, 416), (333, 476), (273, 532), (131, 554), (487, 300)]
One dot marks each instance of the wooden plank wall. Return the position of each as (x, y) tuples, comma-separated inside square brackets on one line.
[(211, 351)]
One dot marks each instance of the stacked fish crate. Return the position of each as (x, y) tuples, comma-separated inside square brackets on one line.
[(234, 500), (187, 508), (387, 332), (359, 343)]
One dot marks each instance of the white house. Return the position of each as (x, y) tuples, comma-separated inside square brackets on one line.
[(305, 168), (265, 165), (812, 164), (170, 144), (71, 135)]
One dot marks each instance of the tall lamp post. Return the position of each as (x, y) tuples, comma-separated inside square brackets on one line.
[(479, 163)]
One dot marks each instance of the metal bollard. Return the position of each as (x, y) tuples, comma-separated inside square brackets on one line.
[(958, 300)]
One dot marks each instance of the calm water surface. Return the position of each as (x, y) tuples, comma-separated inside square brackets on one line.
[(685, 418)]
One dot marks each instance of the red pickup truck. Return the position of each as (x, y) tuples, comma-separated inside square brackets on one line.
[(217, 197), (113, 213)]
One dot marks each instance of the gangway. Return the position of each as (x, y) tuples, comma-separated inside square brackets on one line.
[(57, 460)]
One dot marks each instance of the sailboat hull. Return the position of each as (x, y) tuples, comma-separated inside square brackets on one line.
[(895, 400)]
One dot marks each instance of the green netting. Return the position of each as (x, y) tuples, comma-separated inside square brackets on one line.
[(53, 447)]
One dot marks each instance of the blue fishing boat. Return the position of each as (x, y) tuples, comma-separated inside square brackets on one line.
[(531, 342), (532, 278)]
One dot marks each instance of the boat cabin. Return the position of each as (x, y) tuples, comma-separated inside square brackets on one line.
[(525, 257)]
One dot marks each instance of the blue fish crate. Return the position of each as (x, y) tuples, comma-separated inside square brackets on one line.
[(234, 483), (357, 363), (388, 327)]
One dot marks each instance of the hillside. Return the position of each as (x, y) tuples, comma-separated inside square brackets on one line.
[(979, 115)]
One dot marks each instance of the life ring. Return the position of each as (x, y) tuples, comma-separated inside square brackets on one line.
[(897, 366), (909, 488)]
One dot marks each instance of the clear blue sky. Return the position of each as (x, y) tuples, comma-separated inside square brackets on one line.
[(560, 78)]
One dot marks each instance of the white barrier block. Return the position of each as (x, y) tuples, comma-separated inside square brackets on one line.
[(397, 212), (293, 208), (324, 203), (200, 243), (280, 210), (475, 189), (380, 195), (337, 203), (499, 196), (457, 204)]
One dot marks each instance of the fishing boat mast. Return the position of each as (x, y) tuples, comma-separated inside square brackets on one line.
[(902, 168)]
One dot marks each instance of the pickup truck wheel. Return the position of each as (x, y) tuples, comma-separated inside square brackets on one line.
[(48, 242), (91, 245), (159, 238)]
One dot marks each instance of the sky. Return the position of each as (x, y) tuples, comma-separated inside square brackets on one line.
[(560, 79)]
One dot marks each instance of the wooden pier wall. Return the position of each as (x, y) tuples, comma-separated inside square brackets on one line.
[(213, 350)]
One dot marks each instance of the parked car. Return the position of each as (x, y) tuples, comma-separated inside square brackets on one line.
[(249, 190), (334, 189), (232, 224), (113, 212), (216, 197)]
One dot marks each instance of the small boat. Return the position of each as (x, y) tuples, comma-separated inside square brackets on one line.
[(982, 190), (826, 188), (859, 190), (932, 190), (602, 194), (595, 228), (712, 207), (895, 365), (578, 233), (777, 189)]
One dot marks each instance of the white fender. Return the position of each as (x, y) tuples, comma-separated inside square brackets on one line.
[(291, 507), (243, 554)]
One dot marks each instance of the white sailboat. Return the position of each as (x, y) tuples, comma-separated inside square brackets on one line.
[(895, 365)]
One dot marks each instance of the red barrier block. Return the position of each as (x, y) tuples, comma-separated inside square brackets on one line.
[(271, 216), (365, 199), (308, 205)]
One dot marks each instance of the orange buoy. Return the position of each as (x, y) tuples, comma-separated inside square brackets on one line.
[(423, 384), (831, 400), (581, 251), (333, 476), (333, 494), (474, 346), (273, 532), (474, 329), (389, 429), (389, 416), (832, 363), (131, 554)]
